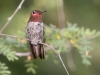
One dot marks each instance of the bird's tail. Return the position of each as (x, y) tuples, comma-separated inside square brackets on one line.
[(37, 50), (41, 51)]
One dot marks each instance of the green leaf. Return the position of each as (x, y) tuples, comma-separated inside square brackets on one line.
[(4, 69)]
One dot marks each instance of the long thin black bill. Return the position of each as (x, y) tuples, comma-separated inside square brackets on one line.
[(44, 11)]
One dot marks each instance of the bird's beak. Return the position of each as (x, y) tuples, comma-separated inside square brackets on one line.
[(44, 11)]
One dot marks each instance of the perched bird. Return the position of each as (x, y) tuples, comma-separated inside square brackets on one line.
[(35, 33)]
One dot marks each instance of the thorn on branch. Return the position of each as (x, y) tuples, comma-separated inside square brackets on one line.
[(9, 18)]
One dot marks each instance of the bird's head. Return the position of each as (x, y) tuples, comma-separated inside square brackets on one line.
[(36, 16)]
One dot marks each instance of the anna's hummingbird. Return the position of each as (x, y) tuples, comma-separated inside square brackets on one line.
[(35, 33)]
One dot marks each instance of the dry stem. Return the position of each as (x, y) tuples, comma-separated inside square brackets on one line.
[(10, 18)]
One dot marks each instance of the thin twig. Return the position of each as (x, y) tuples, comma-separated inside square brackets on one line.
[(61, 15), (63, 64), (10, 18), (13, 36), (51, 48), (20, 54), (58, 56)]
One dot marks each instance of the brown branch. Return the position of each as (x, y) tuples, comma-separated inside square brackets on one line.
[(26, 54), (61, 15), (10, 18)]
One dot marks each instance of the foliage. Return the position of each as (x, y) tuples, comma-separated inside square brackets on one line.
[(60, 39), (79, 38), (4, 69), (6, 51), (30, 65)]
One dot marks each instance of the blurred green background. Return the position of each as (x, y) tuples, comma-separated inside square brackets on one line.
[(85, 13)]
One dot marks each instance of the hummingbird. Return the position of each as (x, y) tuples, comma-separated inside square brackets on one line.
[(35, 33)]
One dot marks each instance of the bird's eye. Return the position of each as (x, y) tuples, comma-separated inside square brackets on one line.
[(33, 12)]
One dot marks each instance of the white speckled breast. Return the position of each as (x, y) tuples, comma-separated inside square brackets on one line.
[(35, 32)]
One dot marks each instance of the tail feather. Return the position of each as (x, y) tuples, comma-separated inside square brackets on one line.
[(34, 50), (37, 50), (42, 52)]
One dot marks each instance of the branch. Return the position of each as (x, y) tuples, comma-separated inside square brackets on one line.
[(20, 54), (58, 56), (26, 54), (13, 36), (61, 15), (10, 18)]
